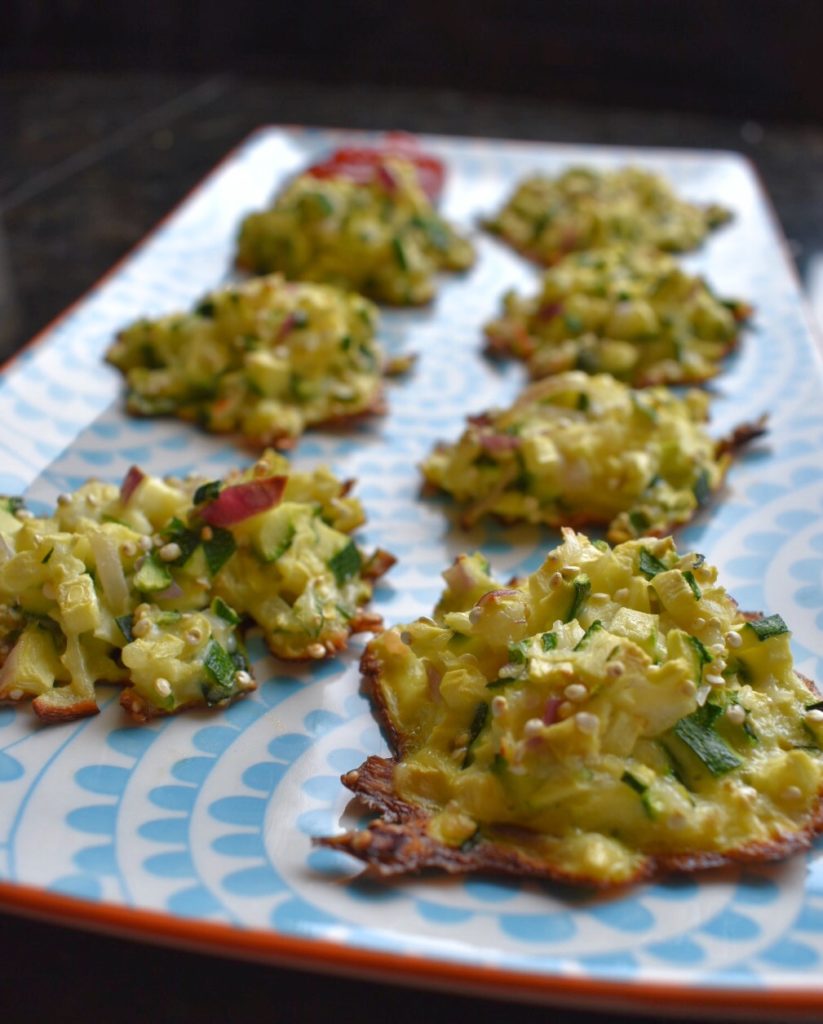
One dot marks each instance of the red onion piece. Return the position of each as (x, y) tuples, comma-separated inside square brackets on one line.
[(131, 481), (172, 591), (497, 443), (550, 713), (242, 501)]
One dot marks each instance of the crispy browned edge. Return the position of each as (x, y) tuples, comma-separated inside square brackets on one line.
[(731, 444), (282, 442), (398, 842)]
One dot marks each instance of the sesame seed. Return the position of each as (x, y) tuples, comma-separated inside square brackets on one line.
[(509, 671), (242, 678), (736, 714), (586, 723), (688, 688), (747, 792), (141, 628), (714, 680), (565, 709), (157, 540), (814, 715), (533, 728), (622, 594), (49, 592), (699, 622), (316, 651), (615, 669), (556, 580), (23, 514), (701, 695), (719, 665), (203, 582), (571, 568), (599, 596), (791, 793), (136, 706), (193, 637), (475, 614), (141, 609), (576, 692), (717, 648), (170, 552), (733, 639), (144, 543), (15, 694), (92, 500), (499, 705), (163, 686), (128, 549)]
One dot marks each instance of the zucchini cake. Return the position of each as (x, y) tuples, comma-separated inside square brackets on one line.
[(381, 237), (576, 449), (611, 717), (265, 359), (585, 208), (153, 584), (631, 312)]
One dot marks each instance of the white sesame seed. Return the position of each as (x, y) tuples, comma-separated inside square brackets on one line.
[(142, 609), (733, 639), (719, 666), (717, 648), (128, 549), (622, 594), (136, 706), (688, 688), (791, 793), (736, 714), (615, 669), (163, 686), (748, 793), (586, 722), (701, 695), (141, 628), (15, 694), (814, 715), (49, 592), (193, 637), (170, 552), (316, 651), (556, 580), (509, 671), (92, 500), (599, 596), (202, 582), (699, 622), (714, 680), (565, 709), (571, 568), (144, 543), (576, 692), (157, 540), (499, 705), (533, 728), (242, 678)]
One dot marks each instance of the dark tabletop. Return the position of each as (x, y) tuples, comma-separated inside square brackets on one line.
[(87, 166)]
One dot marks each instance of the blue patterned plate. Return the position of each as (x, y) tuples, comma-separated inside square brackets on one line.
[(197, 829)]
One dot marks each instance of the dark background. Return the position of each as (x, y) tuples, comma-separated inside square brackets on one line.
[(111, 112), (736, 57)]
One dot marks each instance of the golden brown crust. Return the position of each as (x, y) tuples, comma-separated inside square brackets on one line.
[(399, 842), (742, 435), (50, 711)]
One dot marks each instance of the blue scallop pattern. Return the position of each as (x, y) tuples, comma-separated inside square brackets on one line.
[(188, 815)]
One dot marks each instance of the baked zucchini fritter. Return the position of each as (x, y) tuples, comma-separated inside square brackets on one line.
[(584, 208), (576, 449), (610, 717), (381, 237), (152, 585), (633, 313), (267, 359)]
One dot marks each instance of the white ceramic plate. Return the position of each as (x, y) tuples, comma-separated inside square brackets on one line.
[(197, 829)]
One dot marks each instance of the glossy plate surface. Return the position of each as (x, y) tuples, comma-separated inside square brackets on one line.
[(205, 820)]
